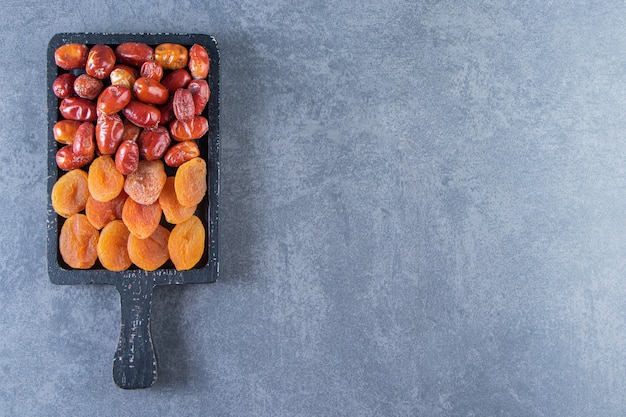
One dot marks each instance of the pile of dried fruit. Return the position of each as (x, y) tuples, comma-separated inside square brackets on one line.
[(129, 116)]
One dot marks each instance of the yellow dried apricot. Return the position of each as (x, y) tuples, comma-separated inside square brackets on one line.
[(174, 212), (105, 182), (150, 253), (101, 213), (78, 242), (186, 243), (145, 184), (70, 193), (142, 220), (190, 182), (113, 246)]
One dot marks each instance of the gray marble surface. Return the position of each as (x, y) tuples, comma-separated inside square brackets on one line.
[(423, 213)]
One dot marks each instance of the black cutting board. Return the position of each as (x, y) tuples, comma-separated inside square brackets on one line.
[(135, 364)]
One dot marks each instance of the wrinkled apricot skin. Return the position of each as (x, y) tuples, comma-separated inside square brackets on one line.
[(78, 242), (181, 153), (101, 213), (142, 114), (171, 56), (183, 105), (67, 160), (105, 182), (113, 247), (193, 129), (145, 184), (186, 243), (100, 61), (153, 143), (109, 132), (70, 193), (87, 86), (63, 85), (200, 92), (198, 62), (127, 157), (78, 108), (83, 144), (134, 53), (71, 56), (113, 99), (142, 220), (173, 211), (65, 130), (176, 79), (150, 253), (190, 182), (150, 91)]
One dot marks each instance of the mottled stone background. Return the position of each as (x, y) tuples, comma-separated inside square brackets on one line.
[(423, 212)]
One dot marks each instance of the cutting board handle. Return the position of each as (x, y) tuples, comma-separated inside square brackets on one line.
[(135, 365)]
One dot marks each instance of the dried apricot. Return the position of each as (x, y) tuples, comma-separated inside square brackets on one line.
[(70, 193), (105, 182), (78, 242), (113, 246), (145, 184), (101, 213), (150, 253), (190, 182), (174, 212), (186, 243), (140, 219)]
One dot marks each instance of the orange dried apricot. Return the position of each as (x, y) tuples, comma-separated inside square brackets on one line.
[(101, 213), (145, 184), (174, 212), (150, 253), (186, 243), (190, 182), (78, 242), (113, 246), (142, 220), (105, 182), (70, 193)]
